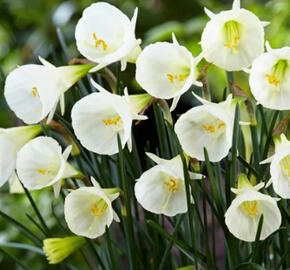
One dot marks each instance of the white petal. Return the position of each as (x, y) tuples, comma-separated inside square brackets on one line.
[(236, 4), (57, 188), (174, 103), (209, 13)]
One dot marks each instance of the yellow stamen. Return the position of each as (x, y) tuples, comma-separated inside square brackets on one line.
[(251, 207), (285, 164), (112, 121), (43, 171), (214, 128), (34, 91), (232, 35), (174, 77), (99, 42), (99, 208), (278, 72), (171, 185), (209, 128)]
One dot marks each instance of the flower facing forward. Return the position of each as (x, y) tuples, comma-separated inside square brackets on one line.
[(232, 39), (243, 215), (33, 91), (11, 141), (161, 189), (209, 125), (280, 167), (57, 249), (41, 163), (105, 35), (166, 70), (270, 78), (88, 210), (99, 118)]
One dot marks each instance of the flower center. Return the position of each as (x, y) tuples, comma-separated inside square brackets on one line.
[(232, 35), (172, 184), (43, 171), (99, 208), (285, 165), (176, 77), (112, 121), (216, 129), (279, 70), (99, 42), (251, 207), (34, 91)]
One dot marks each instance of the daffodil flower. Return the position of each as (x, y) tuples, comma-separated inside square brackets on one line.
[(40, 163), (270, 78), (161, 189), (243, 215), (105, 35), (88, 210), (11, 141), (232, 39), (33, 91), (98, 118), (280, 167), (166, 70), (209, 125), (57, 249)]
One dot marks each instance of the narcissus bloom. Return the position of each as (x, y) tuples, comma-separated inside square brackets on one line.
[(105, 35), (232, 39), (98, 118), (242, 217), (209, 125), (166, 70), (41, 163), (270, 78), (33, 91), (11, 141), (57, 249), (280, 167), (88, 210), (161, 189)]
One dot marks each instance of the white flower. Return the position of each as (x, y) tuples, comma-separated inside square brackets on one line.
[(166, 70), (105, 35), (270, 78), (33, 91), (232, 39), (98, 118), (88, 210), (161, 189), (280, 167), (242, 217), (11, 140), (209, 125), (40, 163)]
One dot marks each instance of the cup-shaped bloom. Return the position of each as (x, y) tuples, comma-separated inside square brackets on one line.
[(280, 167), (161, 189), (40, 163), (105, 35), (232, 39), (243, 215), (99, 118), (57, 249), (33, 91), (270, 78), (207, 126), (11, 141), (166, 70), (88, 210)]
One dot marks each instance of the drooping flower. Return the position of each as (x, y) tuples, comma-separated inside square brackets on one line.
[(166, 70), (88, 210), (280, 167), (232, 39), (209, 125), (98, 118), (161, 189), (105, 35), (270, 78), (11, 141), (243, 215), (40, 163), (58, 249), (33, 91)]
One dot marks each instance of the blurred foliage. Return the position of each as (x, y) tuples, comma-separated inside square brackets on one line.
[(28, 29)]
